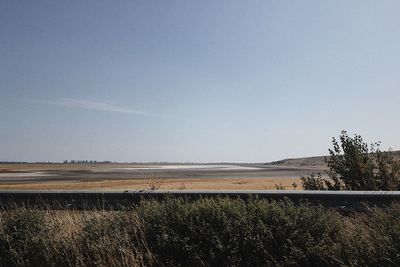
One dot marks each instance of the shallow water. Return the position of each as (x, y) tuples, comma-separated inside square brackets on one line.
[(186, 167), (23, 174)]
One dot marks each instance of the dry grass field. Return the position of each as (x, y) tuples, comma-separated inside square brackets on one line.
[(203, 232), (118, 176), (163, 184)]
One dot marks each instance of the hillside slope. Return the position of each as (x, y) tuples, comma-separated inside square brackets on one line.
[(318, 161)]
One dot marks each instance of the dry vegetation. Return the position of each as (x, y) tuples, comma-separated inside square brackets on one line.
[(163, 184), (206, 232), (145, 183), (72, 238)]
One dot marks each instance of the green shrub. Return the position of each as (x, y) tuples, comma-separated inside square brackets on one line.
[(353, 165), (24, 238), (205, 232), (384, 228), (228, 232)]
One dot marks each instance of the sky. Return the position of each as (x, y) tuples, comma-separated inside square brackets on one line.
[(195, 81)]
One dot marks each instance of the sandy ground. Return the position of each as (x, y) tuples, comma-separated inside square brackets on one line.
[(164, 184), (151, 176)]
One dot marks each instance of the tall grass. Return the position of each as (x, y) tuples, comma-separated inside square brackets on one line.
[(206, 232), (72, 238)]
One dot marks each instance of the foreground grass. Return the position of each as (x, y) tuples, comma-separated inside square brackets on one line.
[(207, 232)]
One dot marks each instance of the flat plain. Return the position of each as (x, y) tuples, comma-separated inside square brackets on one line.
[(166, 176)]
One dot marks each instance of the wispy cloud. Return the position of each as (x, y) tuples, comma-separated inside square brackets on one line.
[(95, 105)]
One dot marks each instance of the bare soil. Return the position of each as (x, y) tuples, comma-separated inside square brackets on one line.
[(151, 176)]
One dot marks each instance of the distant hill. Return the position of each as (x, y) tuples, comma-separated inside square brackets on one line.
[(313, 161), (308, 161)]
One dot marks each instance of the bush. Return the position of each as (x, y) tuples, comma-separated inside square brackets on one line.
[(353, 165), (384, 228), (225, 232), (24, 238), (205, 232)]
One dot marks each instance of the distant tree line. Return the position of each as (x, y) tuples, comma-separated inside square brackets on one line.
[(86, 162), (54, 162), (27, 162), (14, 162)]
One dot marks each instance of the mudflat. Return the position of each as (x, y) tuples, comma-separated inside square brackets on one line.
[(151, 176)]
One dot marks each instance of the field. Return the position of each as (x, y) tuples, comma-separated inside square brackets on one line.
[(205, 232), (152, 176)]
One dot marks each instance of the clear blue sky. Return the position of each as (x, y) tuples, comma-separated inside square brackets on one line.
[(200, 81)]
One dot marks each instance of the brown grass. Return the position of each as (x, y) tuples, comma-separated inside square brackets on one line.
[(71, 238), (164, 184)]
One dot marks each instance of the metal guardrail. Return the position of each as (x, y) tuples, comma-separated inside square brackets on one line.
[(84, 199)]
